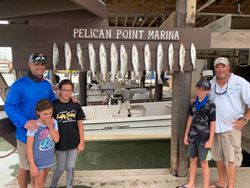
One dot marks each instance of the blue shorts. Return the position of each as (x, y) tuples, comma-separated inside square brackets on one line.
[(203, 154)]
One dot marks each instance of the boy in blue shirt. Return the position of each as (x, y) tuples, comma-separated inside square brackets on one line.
[(199, 133)]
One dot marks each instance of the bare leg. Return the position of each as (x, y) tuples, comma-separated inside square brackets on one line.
[(46, 171), (205, 173), (39, 180), (231, 171), (192, 171), (23, 177), (222, 174)]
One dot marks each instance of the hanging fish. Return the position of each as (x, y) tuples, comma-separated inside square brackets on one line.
[(135, 61), (92, 60), (68, 56), (171, 58), (193, 55), (103, 61), (80, 55), (55, 60), (159, 62), (124, 61), (113, 61), (147, 59), (182, 54)]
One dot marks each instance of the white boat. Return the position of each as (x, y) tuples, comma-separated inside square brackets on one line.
[(148, 121)]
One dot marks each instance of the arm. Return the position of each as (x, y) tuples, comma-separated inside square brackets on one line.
[(245, 94), (240, 123), (11, 106), (189, 123), (80, 147), (53, 129), (33, 167), (210, 141)]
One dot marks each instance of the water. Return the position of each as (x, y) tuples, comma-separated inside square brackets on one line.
[(125, 155), (108, 155)]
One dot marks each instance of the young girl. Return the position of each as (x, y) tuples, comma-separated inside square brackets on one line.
[(41, 143), (69, 116)]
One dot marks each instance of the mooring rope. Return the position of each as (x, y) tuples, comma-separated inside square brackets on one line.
[(7, 155)]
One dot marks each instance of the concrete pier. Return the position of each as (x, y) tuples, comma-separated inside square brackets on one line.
[(138, 178)]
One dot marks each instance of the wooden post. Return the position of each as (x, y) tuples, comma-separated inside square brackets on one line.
[(143, 79), (181, 99), (83, 88), (158, 88)]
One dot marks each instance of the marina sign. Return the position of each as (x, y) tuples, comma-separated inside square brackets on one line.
[(125, 34)]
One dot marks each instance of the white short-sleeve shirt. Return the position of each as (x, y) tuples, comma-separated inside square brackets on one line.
[(230, 101)]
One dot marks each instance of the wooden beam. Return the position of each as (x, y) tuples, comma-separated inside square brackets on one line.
[(95, 7), (191, 11), (143, 22), (221, 25), (116, 21), (17, 8), (83, 87), (181, 99), (170, 21), (234, 39), (133, 24), (152, 21), (125, 21)]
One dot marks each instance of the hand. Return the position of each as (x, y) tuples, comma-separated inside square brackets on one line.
[(74, 99), (186, 140), (192, 99), (80, 147), (49, 122), (239, 123), (34, 171), (208, 144), (31, 125)]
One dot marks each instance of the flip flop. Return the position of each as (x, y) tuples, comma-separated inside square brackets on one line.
[(215, 185), (184, 186)]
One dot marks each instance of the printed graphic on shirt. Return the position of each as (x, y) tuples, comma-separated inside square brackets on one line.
[(45, 140), (66, 116)]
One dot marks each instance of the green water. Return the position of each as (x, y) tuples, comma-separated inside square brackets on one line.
[(119, 154), (124, 155)]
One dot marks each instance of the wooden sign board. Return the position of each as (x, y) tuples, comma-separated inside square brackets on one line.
[(25, 40)]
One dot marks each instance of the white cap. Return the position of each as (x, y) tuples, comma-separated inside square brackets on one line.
[(221, 60)]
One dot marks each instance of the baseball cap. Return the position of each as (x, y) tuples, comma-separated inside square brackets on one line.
[(203, 83), (221, 60), (37, 58)]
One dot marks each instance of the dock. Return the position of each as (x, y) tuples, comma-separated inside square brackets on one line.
[(138, 178)]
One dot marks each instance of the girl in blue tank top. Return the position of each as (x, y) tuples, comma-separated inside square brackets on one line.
[(41, 143)]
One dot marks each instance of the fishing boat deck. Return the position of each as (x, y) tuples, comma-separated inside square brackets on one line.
[(138, 178)]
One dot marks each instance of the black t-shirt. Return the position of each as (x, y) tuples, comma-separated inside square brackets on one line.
[(200, 129), (67, 115)]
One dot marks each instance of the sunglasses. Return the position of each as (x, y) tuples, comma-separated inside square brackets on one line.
[(38, 58), (221, 93)]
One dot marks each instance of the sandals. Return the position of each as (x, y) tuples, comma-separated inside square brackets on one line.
[(215, 185), (184, 186)]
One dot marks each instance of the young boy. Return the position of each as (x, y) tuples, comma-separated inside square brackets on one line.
[(69, 116), (199, 133)]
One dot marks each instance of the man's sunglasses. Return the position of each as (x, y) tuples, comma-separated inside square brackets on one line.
[(222, 93), (38, 58)]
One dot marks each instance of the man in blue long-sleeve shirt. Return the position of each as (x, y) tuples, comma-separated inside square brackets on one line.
[(20, 108)]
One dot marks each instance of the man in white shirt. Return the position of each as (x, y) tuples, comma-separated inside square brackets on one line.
[(231, 94)]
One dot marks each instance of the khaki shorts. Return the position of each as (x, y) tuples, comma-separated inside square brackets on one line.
[(22, 155), (227, 147)]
